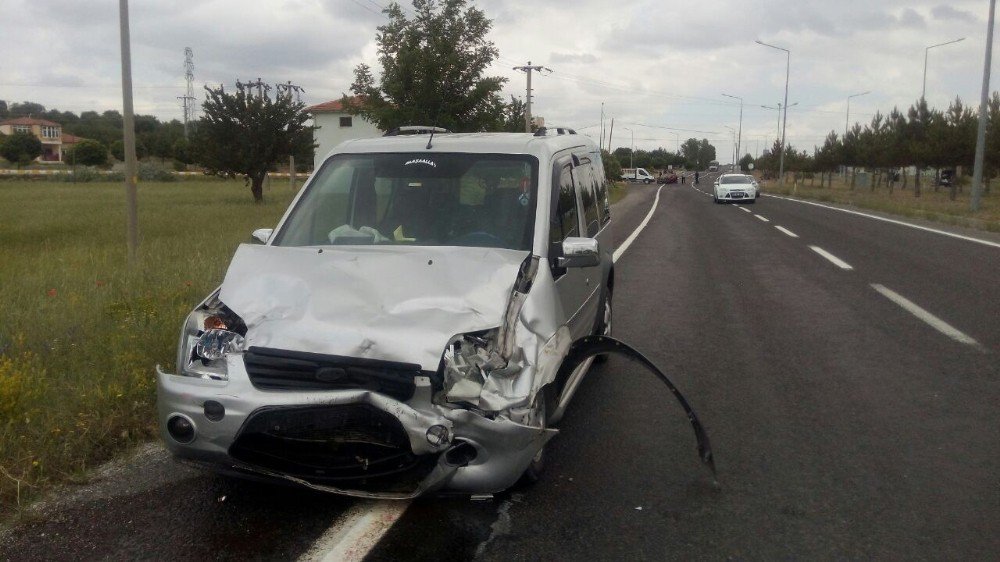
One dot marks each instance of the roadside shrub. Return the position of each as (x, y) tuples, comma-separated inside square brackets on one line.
[(149, 171), (83, 174)]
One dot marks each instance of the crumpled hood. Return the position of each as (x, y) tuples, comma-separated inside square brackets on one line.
[(397, 303)]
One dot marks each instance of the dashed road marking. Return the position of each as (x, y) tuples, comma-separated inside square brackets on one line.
[(927, 317), (786, 231), (762, 218), (893, 221), (744, 209), (832, 258)]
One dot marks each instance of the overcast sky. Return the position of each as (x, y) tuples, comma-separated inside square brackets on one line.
[(653, 63)]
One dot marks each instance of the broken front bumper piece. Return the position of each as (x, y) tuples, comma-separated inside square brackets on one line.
[(353, 442)]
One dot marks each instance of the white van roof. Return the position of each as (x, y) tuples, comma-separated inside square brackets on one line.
[(481, 143)]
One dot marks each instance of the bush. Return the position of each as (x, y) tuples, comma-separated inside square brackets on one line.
[(82, 174), (20, 148), (89, 152), (149, 171)]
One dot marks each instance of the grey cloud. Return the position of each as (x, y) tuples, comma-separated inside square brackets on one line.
[(585, 58), (910, 18), (948, 13)]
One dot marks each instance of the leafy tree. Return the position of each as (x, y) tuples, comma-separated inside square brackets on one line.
[(117, 149), (89, 152), (181, 151), (245, 133), (745, 162), (433, 70), (513, 116), (4, 112), (612, 167), (20, 148), (26, 108), (624, 155), (992, 153)]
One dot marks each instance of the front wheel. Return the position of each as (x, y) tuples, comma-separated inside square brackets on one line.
[(604, 328), (646, 181)]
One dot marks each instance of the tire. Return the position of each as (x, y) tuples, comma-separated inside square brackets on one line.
[(646, 181), (754, 200)]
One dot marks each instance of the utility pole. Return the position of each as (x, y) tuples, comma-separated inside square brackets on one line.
[(187, 100), (611, 132), (527, 69), (600, 143), (977, 173), (131, 198), (287, 89)]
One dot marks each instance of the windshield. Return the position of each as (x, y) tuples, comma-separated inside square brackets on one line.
[(734, 179), (423, 199)]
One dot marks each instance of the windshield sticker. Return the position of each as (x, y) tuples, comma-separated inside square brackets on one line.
[(423, 161)]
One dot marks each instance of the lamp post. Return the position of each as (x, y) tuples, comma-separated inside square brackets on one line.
[(847, 121), (926, 52), (631, 152), (778, 135), (733, 132), (788, 68), (739, 138)]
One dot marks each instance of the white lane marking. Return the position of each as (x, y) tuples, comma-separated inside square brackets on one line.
[(786, 231), (833, 259), (762, 218), (934, 321), (628, 241), (744, 209), (356, 532), (893, 221)]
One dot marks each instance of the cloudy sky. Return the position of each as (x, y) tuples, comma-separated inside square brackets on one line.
[(658, 66)]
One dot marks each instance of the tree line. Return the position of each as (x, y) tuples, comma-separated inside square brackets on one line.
[(891, 144)]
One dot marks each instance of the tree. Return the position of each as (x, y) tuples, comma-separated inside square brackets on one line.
[(433, 70), (246, 133), (513, 116), (612, 167), (90, 153), (20, 148)]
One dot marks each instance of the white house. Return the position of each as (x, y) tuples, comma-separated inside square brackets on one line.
[(335, 125)]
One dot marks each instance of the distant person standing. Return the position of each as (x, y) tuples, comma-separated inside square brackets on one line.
[(696, 177)]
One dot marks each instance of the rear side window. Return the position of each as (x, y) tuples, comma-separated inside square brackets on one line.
[(584, 175), (565, 219)]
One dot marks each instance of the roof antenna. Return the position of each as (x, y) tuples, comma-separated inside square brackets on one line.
[(434, 127)]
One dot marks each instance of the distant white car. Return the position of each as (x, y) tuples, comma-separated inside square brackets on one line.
[(734, 187)]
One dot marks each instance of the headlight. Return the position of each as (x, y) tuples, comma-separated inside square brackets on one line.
[(210, 334), (468, 360)]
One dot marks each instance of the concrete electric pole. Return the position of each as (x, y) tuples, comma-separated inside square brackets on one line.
[(527, 69), (131, 198), (977, 168)]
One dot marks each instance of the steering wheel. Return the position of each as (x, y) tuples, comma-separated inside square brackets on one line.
[(478, 238)]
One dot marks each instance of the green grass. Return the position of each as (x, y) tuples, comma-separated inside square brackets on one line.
[(617, 191), (80, 333), (931, 205)]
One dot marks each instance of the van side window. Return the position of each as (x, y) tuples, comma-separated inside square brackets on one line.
[(565, 219), (584, 175)]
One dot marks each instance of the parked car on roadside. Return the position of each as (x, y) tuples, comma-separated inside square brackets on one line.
[(401, 329), (734, 187)]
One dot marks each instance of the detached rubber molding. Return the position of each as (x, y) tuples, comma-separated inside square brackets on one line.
[(587, 347)]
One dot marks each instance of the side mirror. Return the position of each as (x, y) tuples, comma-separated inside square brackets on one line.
[(261, 235), (580, 252)]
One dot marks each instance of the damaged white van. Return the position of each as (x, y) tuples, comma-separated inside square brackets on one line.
[(400, 331)]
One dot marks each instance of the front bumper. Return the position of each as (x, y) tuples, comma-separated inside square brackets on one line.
[(502, 448), (736, 195)]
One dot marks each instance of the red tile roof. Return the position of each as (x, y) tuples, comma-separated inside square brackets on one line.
[(334, 106), (29, 121)]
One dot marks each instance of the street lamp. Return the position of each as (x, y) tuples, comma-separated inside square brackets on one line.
[(926, 51), (977, 169), (778, 135), (847, 122), (631, 153), (788, 68), (733, 132), (739, 138)]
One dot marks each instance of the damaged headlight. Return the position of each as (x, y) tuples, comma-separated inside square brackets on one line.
[(468, 361), (211, 332)]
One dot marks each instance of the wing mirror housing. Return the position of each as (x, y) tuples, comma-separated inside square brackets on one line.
[(580, 252), (261, 235)]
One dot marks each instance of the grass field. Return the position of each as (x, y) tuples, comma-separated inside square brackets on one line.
[(930, 205), (79, 333)]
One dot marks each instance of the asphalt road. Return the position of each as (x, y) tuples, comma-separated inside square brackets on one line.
[(844, 426)]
